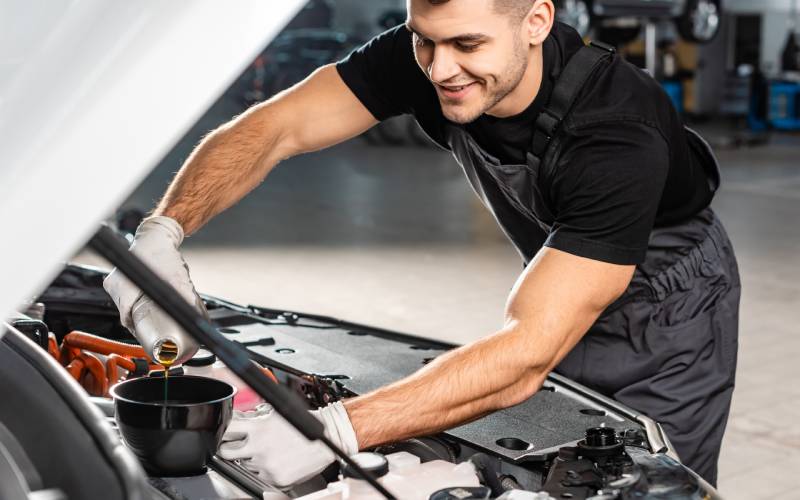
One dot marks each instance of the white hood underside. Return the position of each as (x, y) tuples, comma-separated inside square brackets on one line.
[(93, 93)]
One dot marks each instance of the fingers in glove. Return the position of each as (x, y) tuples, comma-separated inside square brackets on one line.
[(238, 415), (260, 474), (234, 437), (235, 450), (259, 411), (249, 466), (263, 409), (243, 426), (239, 448)]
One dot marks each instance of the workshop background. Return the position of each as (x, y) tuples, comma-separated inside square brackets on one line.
[(384, 229)]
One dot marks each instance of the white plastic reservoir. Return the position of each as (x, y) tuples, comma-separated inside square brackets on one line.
[(407, 478)]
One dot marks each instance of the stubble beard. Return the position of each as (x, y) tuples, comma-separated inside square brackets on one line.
[(515, 71)]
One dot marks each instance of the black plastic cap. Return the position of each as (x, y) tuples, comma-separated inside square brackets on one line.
[(462, 493), (601, 436), (202, 357)]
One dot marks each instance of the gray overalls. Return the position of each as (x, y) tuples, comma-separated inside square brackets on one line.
[(667, 347)]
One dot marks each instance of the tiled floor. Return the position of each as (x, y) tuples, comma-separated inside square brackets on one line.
[(393, 237), (760, 206)]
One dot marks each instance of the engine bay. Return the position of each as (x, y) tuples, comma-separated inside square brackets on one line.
[(564, 442)]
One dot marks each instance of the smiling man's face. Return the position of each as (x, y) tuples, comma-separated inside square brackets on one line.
[(479, 59)]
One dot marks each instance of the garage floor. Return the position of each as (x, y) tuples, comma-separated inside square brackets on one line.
[(393, 237)]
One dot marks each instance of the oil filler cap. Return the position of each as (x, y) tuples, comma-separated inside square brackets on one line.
[(373, 463), (465, 493), (601, 442)]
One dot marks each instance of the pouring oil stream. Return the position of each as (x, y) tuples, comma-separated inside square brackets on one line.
[(165, 353)]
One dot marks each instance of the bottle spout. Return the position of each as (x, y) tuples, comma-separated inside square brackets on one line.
[(163, 339), (165, 352)]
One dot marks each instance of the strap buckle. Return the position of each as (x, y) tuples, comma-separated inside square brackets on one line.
[(547, 121), (604, 46)]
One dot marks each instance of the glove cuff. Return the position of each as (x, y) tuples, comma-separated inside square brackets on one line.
[(338, 427), (163, 225)]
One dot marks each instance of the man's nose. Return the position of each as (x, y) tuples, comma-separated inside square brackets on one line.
[(443, 66)]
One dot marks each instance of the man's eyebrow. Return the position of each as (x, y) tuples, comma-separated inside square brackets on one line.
[(411, 28), (464, 37)]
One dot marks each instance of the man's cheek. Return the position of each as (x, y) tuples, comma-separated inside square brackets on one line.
[(423, 57), (480, 70)]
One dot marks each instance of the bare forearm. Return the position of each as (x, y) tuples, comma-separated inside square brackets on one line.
[(227, 164), (457, 387), (553, 304), (316, 113), (499, 371)]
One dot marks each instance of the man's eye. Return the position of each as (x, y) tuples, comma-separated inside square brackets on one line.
[(467, 47)]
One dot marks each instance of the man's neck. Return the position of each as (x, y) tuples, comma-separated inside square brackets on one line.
[(525, 92)]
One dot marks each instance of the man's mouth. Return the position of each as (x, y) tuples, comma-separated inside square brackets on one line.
[(455, 92)]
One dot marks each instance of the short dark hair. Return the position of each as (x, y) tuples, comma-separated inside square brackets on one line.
[(515, 8)]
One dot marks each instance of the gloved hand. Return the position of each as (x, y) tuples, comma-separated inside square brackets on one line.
[(156, 243), (278, 453)]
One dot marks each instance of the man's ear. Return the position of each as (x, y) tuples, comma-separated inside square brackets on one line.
[(539, 21)]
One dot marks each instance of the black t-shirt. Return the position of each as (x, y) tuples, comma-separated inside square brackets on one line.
[(623, 164)]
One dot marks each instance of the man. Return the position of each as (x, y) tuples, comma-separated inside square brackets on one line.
[(608, 210)]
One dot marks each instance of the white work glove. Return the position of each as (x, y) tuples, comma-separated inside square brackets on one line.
[(279, 454), (156, 243)]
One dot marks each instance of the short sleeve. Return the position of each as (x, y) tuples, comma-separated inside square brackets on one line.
[(378, 71), (606, 190)]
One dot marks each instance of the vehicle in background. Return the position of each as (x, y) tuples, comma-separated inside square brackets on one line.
[(620, 20)]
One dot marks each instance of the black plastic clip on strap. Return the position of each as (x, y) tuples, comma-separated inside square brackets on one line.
[(567, 87)]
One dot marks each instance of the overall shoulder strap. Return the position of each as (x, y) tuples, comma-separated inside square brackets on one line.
[(567, 87)]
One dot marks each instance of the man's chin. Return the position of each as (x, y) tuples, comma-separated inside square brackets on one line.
[(460, 115)]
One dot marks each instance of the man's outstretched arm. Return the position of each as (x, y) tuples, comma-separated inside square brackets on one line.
[(233, 159), (554, 302)]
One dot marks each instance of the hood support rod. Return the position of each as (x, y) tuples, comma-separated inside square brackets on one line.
[(290, 406)]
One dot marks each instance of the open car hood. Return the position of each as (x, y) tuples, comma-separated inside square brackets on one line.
[(93, 93)]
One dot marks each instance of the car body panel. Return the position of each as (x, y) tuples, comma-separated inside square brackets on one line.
[(638, 8), (323, 359)]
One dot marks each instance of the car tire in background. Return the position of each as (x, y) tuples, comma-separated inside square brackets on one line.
[(576, 13), (617, 32), (700, 21)]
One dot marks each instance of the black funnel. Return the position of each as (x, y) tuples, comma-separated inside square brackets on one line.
[(178, 436)]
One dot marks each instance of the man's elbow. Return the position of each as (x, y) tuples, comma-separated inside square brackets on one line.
[(525, 388), (529, 361), (614, 287)]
